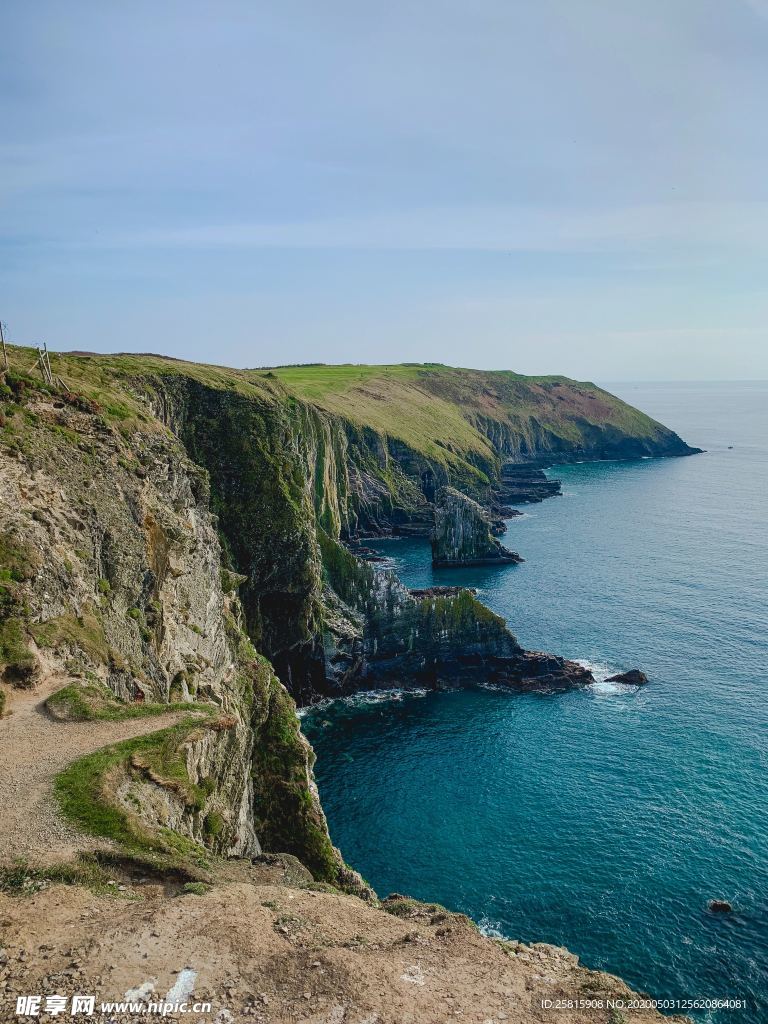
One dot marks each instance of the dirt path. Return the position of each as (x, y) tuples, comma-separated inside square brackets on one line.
[(34, 748)]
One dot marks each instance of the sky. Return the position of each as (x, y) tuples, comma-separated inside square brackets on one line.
[(549, 186)]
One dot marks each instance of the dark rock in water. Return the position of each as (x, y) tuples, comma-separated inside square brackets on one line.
[(635, 677), (462, 534), (439, 638), (506, 512), (497, 527), (535, 670), (523, 484), (720, 907)]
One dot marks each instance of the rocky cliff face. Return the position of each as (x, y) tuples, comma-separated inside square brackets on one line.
[(520, 484), (384, 634), (462, 536), (178, 534), (112, 577)]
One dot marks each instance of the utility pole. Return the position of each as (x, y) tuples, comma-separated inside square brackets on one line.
[(5, 350)]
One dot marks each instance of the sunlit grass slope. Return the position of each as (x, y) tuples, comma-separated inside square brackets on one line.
[(430, 405), (453, 415)]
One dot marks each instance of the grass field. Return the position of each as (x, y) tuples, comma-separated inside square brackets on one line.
[(438, 409), (443, 412)]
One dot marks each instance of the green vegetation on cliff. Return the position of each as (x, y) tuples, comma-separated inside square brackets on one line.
[(448, 412), (457, 418), (175, 525), (287, 814), (87, 792), (95, 702)]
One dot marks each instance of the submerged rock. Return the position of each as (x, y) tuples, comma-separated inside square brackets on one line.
[(463, 534), (720, 907), (634, 677)]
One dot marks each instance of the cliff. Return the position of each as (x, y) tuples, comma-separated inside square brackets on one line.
[(467, 423), (462, 534), (176, 534), (112, 581), (269, 947), (175, 546)]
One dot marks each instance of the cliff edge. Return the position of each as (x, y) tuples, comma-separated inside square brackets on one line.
[(176, 574)]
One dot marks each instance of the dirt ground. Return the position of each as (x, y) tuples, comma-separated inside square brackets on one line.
[(34, 748), (271, 954)]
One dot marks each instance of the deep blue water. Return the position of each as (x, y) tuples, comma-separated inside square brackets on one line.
[(601, 820)]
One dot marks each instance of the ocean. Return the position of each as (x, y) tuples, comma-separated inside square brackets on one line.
[(603, 820)]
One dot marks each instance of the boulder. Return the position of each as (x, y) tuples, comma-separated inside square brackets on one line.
[(635, 677)]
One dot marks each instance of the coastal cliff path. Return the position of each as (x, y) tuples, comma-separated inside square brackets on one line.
[(34, 748), (269, 950)]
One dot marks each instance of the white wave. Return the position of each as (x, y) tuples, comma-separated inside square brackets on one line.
[(601, 687), (599, 669), (365, 697), (605, 689), (491, 929), (493, 687)]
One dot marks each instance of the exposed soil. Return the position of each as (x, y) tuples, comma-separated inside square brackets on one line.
[(34, 748), (272, 954)]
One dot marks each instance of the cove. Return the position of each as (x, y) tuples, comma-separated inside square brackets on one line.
[(605, 819)]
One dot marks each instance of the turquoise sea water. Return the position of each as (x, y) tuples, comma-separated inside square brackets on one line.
[(601, 820)]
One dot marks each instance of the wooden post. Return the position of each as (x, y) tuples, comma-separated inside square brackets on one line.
[(41, 363), (5, 350), (48, 363)]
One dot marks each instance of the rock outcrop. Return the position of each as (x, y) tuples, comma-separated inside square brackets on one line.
[(521, 484), (462, 534), (634, 677), (441, 638)]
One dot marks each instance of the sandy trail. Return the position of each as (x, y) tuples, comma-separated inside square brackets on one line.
[(34, 748)]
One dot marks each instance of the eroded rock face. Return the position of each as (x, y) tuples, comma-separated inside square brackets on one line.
[(521, 484), (383, 634), (115, 581), (462, 534)]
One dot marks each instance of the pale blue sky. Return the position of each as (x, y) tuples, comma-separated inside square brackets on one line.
[(574, 186)]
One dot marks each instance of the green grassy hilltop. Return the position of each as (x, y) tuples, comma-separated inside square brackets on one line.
[(435, 408), (460, 418)]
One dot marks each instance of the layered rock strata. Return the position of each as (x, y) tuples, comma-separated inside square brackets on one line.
[(523, 484), (462, 534)]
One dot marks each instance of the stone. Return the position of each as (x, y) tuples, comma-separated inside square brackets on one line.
[(634, 677)]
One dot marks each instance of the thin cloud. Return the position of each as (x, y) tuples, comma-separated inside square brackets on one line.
[(495, 229)]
